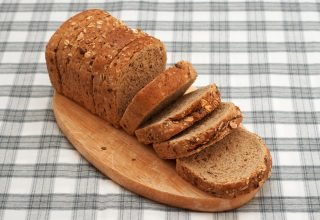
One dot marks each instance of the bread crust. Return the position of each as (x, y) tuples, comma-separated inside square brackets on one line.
[(72, 62), (99, 43), (164, 130), (173, 82), (52, 49), (230, 189), (173, 149)]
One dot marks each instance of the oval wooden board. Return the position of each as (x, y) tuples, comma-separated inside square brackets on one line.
[(133, 165)]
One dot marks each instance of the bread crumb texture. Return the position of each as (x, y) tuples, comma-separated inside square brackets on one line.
[(237, 164)]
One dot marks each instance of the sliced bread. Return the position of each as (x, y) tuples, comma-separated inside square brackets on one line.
[(236, 165), (160, 92), (180, 115), (204, 133)]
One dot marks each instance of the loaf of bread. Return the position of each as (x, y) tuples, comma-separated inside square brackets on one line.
[(236, 165), (97, 61)]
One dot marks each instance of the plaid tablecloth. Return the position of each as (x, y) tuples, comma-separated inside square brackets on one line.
[(264, 56)]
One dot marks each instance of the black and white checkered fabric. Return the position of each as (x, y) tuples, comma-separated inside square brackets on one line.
[(263, 55)]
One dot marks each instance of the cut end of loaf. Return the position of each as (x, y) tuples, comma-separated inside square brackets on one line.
[(236, 165), (157, 95), (142, 67)]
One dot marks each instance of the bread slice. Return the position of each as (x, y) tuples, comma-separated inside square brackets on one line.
[(156, 95), (236, 165), (180, 115), (204, 133)]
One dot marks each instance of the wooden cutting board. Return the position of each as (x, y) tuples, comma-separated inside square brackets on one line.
[(133, 165)]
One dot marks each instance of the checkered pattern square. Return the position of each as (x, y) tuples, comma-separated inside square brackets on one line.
[(263, 55)]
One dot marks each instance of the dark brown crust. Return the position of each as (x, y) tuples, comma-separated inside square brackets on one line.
[(71, 60), (230, 190), (158, 132), (169, 83), (94, 45), (52, 49), (188, 146), (99, 48), (63, 44)]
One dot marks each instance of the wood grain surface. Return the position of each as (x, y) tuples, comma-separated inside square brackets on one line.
[(133, 165)]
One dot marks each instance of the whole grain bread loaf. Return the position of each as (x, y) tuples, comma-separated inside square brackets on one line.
[(236, 165), (180, 115), (204, 133), (97, 61), (158, 94)]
